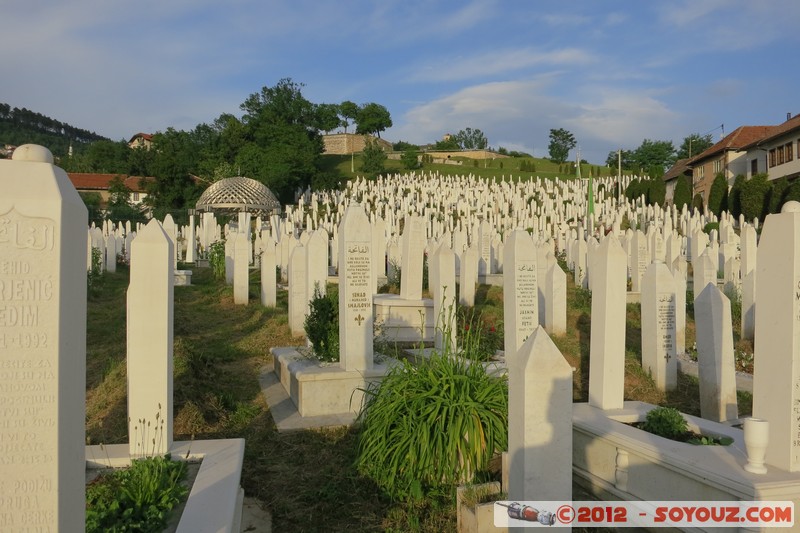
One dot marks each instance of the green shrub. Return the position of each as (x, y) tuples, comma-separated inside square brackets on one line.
[(322, 325), (718, 195), (776, 194), (94, 277), (216, 259), (754, 196), (697, 202), (658, 191), (735, 196), (711, 226), (138, 498), (683, 193), (427, 428), (478, 337), (665, 422)]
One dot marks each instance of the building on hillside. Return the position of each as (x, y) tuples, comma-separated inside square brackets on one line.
[(99, 183), (776, 153), (680, 168), (141, 140), (350, 143), (726, 157)]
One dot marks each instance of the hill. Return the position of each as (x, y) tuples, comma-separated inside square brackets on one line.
[(21, 126)]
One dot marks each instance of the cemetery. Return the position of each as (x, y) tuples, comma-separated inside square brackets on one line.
[(371, 358)]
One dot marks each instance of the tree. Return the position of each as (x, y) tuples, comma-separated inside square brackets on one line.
[(402, 146), (119, 205), (172, 190), (694, 144), (682, 196), (633, 190), (283, 144), (654, 155), (697, 202), (754, 196), (718, 195), (735, 196), (470, 139), (374, 159), (612, 161), (373, 119), (561, 142), (328, 117), (349, 112), (410, 159), (777, 192), (447, 144), (658, 191)]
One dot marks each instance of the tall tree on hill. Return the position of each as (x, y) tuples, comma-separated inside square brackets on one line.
[(654, 156), (561, 142), (373, 119), (328, 117), (694, 144), (470, 139), (283, 143), (349, 112), (613, 160)]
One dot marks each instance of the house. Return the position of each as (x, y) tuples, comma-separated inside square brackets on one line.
[(141, 140), (776, 153), (99, 183), (680, 168), (728, 157)]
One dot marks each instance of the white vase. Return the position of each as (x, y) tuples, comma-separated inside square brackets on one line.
[(756, 437)]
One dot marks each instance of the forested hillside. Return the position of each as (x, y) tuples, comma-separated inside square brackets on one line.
[(21, 126)]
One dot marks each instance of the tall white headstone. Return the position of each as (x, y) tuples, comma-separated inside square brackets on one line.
[(520, 291), (43, 244), (241, 270), (555, 294), (269, 296), (443, 270), (356, 314), (717, 372), (659, 328), (412, 243), (776, 380), (539, 422), (607, 340), (150, 334), (298, 293)]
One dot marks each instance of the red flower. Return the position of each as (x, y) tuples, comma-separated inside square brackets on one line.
[(491, 329), (466, 327)]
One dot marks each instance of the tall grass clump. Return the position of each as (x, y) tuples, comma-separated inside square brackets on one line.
[(216, 259), (322, 325), (427, 428)]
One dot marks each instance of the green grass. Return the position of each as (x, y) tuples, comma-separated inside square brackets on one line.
[(308, 480), (490, 168)]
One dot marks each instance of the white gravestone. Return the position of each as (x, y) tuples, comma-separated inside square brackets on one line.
[(297, 290), (241, 270), (443, 270), (659, 328), (520, 290), (469, 276), (607, 339), (776, 380), (269, 296), (412, 247), (356, 314), (316, 266), (150, 334), (715, 359), (43, 243), (539, 422), (555, 293)]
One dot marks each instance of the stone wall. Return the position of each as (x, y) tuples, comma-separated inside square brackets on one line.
[(347, 143)]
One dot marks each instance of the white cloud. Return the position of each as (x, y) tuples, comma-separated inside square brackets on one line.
[(500, 61)]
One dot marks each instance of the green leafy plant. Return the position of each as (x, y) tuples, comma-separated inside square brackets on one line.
[(216, 259), (665, 422), (427, 428), (94, 277), (322, 325), (138, 498), (478, 337)]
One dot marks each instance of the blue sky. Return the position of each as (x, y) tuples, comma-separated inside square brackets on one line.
[(613, 72)]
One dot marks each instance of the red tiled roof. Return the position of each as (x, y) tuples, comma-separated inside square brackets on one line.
[(680, 167), (145, 136), (100, 182), (736, 140), (776, 131)]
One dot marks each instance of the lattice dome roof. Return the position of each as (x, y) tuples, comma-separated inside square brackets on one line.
[(233, 195)]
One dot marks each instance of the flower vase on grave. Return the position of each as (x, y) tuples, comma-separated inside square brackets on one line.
[(756, 437)]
